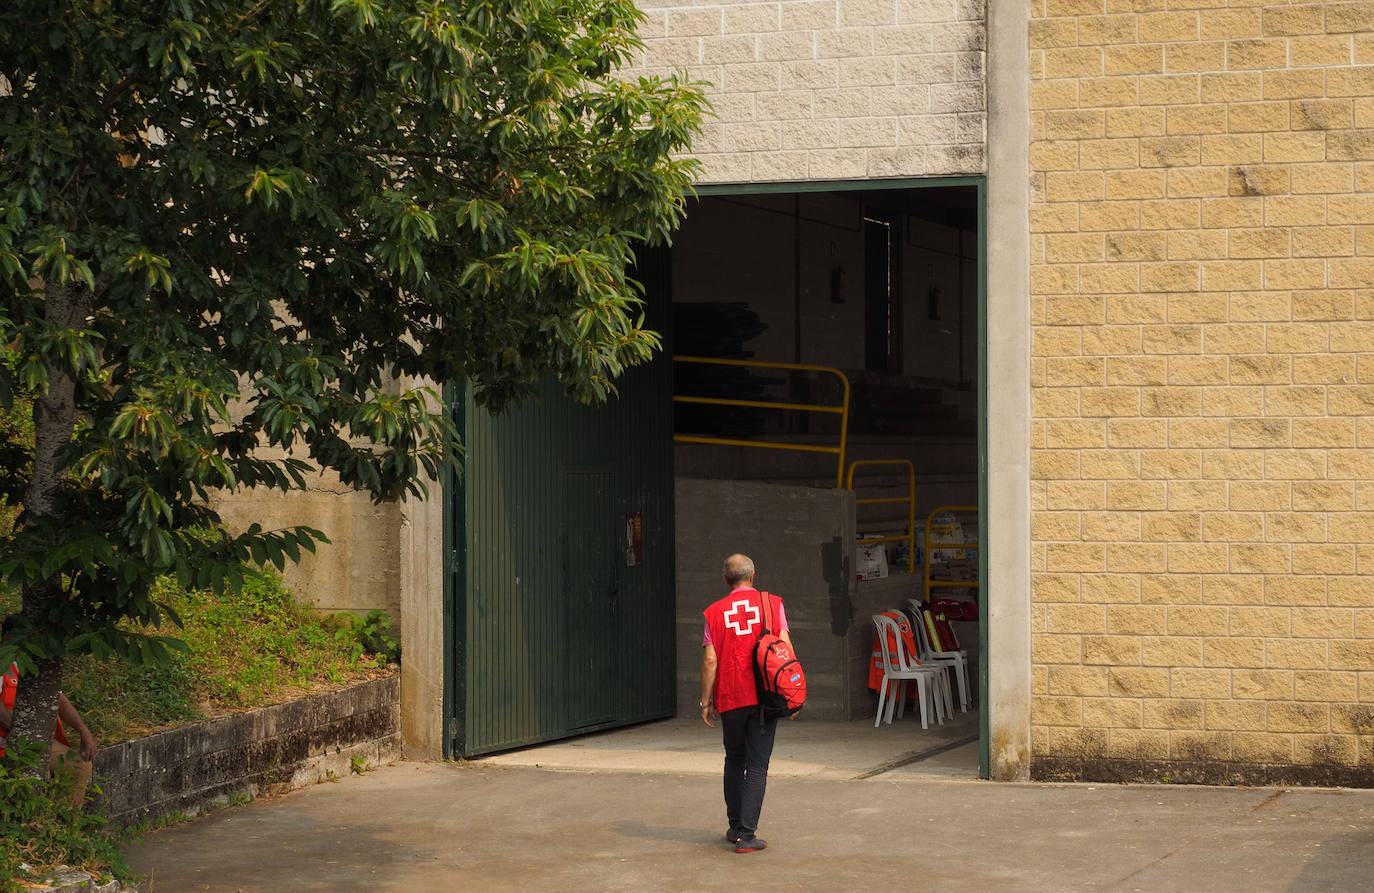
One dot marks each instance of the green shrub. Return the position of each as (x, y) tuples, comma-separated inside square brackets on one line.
[(377, 635)]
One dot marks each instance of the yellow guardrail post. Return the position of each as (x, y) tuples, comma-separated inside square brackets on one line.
[(841, 410), (910, 501), (942, 584)]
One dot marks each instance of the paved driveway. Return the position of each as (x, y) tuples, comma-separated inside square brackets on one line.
[(850, 807)]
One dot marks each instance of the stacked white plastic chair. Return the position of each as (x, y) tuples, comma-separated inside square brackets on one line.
[(928, 654), (932, 683)]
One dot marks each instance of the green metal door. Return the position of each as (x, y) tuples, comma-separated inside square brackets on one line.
[(593, 599), (562, 585)]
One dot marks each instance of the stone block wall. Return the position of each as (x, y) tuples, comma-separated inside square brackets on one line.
[(283, 747), (1202, 240), (828, 89)]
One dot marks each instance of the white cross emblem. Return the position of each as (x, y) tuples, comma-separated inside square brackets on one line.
[(734, 616)]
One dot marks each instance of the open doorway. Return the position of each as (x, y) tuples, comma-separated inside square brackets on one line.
[(882, 284)]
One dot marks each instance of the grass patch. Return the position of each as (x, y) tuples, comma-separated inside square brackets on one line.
[(245, 649)]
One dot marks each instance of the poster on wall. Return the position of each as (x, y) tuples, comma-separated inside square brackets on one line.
[(634, 539)]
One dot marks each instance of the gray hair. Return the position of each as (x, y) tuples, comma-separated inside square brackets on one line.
[(738, 569)]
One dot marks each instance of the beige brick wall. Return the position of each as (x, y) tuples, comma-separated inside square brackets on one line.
[(829, 89), (1202, 240)]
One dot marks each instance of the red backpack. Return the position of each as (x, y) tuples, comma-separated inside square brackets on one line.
[(778, 676)]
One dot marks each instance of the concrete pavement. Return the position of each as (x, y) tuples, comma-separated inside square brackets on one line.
[(849, 807)]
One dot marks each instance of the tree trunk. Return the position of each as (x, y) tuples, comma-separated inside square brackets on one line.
[(54, 419), (35, 709)]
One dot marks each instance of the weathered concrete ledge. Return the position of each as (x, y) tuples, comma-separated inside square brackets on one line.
[(285, 746), (1208, 772)]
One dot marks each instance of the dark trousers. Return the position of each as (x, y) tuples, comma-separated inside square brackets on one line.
[(748, 748)]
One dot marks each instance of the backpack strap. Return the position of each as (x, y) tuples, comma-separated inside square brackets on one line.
[(767, 629), (767, 599)]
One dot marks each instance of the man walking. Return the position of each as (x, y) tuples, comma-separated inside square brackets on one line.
[(733, 624)]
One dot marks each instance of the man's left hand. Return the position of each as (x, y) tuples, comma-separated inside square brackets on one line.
[(88, 745)]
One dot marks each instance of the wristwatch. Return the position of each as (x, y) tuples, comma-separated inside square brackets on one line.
[(705, 704)]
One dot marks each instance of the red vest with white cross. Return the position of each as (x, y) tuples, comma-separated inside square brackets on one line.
[(735, 622)]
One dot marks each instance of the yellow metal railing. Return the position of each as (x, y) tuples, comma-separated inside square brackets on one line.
[(942, 584), (841, 410), (909, 499)]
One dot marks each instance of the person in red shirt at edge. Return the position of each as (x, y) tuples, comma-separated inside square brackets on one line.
[(75, 766), (733, 624)]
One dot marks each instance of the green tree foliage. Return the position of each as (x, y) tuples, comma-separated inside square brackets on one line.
[(231, 230)]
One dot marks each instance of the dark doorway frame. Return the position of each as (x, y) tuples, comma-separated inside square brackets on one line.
[(979, 185)]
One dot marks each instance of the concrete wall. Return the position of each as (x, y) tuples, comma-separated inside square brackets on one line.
[(800, 540), (358, 570), (793, 535), (422, 628), (388, 556), (1203, 256), (282, 747), (1007, 501), (829, 89), (420, 581)]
